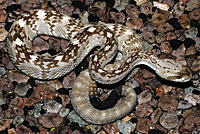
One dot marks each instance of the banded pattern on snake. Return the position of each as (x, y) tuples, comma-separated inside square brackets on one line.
[(111, 38)]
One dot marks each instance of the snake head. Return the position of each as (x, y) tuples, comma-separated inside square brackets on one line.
[(172, 70)]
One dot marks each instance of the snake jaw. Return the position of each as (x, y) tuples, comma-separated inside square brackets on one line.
[(183, 76)]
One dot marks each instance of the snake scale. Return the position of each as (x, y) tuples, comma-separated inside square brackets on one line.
[(111, 38)]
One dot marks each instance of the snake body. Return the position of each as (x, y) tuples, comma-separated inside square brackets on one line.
[(112, 38)]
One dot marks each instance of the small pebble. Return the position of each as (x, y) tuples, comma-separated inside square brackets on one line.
[(64, 112), (118, 17), (140, 2), (37, 109), (160, 37), (22, 88), (184, 21), (180, 52), (111, 128), (144, 97), (5, 123), (69, 80), (196, 64), (183, 105), (51, 106), (191, 50), (134, 23), (144, 125), (146, 8), (191, 4), (50, 120), (168, 103), (165, 27), (40, 45), (143, 110), (149, 36), (195, 14), (166, 47), (132, 10), (179, 8), (126, 127), (156, 115), (170, 36), (192, 99), (169, 120), (159, 17), (191, 33), (2, 71), (18, 120), (3, 15)]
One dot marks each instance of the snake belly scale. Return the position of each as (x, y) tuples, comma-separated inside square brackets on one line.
[(112, 38)]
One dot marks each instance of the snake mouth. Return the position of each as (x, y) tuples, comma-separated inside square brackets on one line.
[(183, 76)]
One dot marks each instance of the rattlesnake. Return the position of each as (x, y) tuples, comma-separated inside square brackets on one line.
[(112, 38)]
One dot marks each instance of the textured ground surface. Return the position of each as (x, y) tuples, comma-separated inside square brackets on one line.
[(170, 29)]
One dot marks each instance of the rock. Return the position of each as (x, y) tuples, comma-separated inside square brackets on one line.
[(168, 103), (118, 17), (191, 50), (170, 36), (195, 14), (147, 74), (18, 120), (2, 71), (51, 106), (3, 15), (191, 33), (180, 52), (196, 64), (125, 127), (159, 17), (5, 123), (111, 128), (149, 36), (165, 27), (192, 99), (21, 129), (64, 112), (18, 77), (192, 4), (134, 22), (69, 80), (144, 125), (50, 120), (156, 115), (55, 84), (132, 10), (197, 44), (179, 8), (140, 2), (166, 47), (160, 37), (143, 110), (37, 109), (169, 120), (184, 105), (22, 88), (40, 45), (144, 97), (184, 21), (146, 8)]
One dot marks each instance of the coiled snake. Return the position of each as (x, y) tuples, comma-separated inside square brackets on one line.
[(111, 38)]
